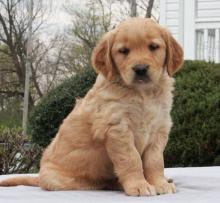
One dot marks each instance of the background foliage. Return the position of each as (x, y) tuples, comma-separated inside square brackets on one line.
[(194, 138), (17, 155), (49, 113)]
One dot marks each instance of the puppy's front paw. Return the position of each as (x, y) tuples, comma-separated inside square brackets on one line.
[(165, 187), (139, 188)]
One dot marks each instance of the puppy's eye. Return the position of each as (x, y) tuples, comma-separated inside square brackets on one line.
[(153, 46), (124, 51)]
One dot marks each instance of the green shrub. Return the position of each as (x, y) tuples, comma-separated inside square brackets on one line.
[(194, 138), (17, 155), (49, 113)]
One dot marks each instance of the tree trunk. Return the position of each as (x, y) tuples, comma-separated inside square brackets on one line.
[(149, 8), (133, 6)]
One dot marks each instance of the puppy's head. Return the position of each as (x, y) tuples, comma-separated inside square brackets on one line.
[(139, 50)]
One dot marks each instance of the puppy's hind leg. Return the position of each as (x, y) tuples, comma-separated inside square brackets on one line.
[(54, 180)]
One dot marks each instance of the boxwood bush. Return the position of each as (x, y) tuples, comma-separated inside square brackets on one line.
[(195, 136), (47, 116)]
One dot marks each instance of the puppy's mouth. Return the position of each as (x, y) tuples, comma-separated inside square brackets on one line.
[(142, 79)]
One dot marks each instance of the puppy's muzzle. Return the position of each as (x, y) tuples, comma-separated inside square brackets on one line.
[(141, 72)]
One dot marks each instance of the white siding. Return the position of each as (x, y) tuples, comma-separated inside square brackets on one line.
[(196, 25), (208, 8), (170, 16), (172, 6)]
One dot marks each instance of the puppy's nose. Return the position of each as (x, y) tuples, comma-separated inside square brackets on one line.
[(141, 69)]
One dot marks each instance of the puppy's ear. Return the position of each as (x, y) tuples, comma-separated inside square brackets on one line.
[(101, 56), (174, 54)]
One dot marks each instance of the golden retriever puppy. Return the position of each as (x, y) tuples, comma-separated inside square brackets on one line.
[(116, 135)]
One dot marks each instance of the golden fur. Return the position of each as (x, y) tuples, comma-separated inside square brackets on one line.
[(115, 136)]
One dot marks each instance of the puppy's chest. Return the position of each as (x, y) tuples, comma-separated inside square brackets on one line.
[(150, 114)]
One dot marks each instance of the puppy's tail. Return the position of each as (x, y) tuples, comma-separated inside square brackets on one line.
[(20, 180)]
